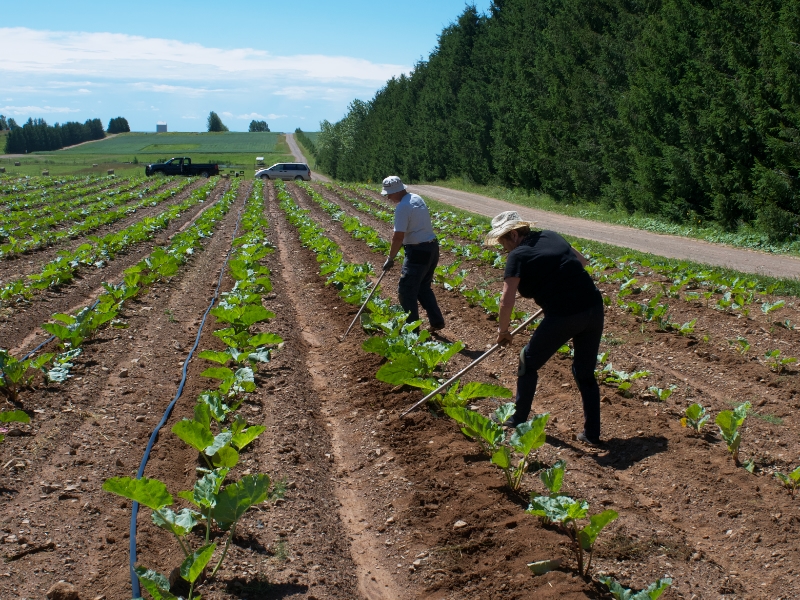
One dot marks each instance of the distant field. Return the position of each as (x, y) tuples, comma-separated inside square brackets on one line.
[(171, 143), (312, 135)]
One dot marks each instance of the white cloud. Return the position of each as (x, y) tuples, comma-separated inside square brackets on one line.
[(84, 91), (121, 56), (164, 88), (189, 117), (27, 110), (227, 114), (255, 115)]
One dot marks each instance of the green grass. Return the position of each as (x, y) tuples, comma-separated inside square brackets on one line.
[(232, 151), (745, 237), (170, 143)]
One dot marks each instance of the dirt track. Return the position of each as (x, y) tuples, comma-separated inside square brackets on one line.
[(298, 155), (670, 246)]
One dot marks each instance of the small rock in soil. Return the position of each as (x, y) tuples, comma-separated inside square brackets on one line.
[(63, 591), (123, 373), (459, 524)]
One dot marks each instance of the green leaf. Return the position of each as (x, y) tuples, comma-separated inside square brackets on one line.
[(475, 390), (255, 314), (214, 356), (156, 584), (179, 523), (225, 457), (476, 425), (220, 441), (553, 477), (597, 522), (194, 564), (218, 373), (14, 416), (558, 509), (502, 457), (505, 412), (235, 499), (530, 435), (264, 339), (197, 435), (148, 492), (204, 493), (400, 370), (216, 404), (240, 440)]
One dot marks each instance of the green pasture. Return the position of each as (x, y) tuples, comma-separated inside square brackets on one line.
[(128, 153)]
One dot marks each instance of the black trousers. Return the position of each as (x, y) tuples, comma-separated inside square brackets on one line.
[(585, 330), (415, 282)]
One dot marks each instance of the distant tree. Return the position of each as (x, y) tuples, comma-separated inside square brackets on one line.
[(258, 126), (215, 123), (118, 125), (36, 135), (3, 124), (12, 124)]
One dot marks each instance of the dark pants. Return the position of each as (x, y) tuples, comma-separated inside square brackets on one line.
[(584, 329), (415, 282)]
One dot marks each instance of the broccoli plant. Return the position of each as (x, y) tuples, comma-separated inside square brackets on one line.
[(729, 422), (14, 373), (790, 481), (11, 416), (777, 363), (651, 592), (565, 512), (222, 506), (695, 417)]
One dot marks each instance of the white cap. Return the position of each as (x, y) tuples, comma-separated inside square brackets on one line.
[(392, 184)]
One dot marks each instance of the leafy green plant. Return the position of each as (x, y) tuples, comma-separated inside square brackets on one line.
[(741, 345), (777, 363), (767, 308), (222, 506), (566, 512), (449, 275), (11, 416), (687, 328), (553, 477), (14, 373), (487, 432), (457, 395), (651, 592), (662, 394), (729, 422), (695, 417), (790, 481), (525, 438)]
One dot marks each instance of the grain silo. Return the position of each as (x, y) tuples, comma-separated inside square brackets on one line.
[(161, 127)]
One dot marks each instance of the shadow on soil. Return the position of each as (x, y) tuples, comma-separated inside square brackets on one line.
[(618, 453)]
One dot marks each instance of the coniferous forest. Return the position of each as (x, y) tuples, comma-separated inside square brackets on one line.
[(36, 135), (680, 108)]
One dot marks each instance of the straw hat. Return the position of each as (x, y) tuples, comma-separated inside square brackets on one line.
[(503, 223)]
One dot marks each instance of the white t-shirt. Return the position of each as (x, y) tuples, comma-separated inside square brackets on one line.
[(411, 216)]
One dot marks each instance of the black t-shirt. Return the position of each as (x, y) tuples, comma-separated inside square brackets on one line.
[(552, 275)]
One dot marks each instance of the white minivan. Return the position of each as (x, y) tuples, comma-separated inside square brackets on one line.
[(286, 171)]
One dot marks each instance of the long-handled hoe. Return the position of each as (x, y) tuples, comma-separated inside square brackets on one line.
[(360, 310), (471, 365)]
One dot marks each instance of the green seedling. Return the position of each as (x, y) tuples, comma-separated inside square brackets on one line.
[(651, 592), (565, 512), (11, 416), (790, 481), (695, 417), (662, 394), (449, 276), (456, 395), (741, 345), (729, 422), (224, 507), (553, 477), (767, 308), (62, 363), (526, 437), (14, 373), (487, 432), (777, 363), (687, 328)]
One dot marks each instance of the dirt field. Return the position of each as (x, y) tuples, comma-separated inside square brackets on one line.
[(375, 503)]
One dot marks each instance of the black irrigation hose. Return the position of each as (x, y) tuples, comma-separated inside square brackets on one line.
[(154, 435)]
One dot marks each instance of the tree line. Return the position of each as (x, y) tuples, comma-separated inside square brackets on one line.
[(36, 135), (688, 109)]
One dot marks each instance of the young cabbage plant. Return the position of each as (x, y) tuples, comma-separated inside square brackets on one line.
[(232, 383), (526, 437), (790, 481), (553, 477), (565, 512), (651, 592), (687, 328), (662, 394), (456, 395), (695, 417), (11, 416), (777, 363), (487, 432), (14, 373), (729, 422)]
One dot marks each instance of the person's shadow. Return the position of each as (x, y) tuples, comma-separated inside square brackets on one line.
[(618, 453)]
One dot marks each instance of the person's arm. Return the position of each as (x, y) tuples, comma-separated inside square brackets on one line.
[(397, 242), (580, 257), (507, 300)]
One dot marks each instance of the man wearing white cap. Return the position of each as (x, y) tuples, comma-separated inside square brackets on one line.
[(543, 266), (414, 232)]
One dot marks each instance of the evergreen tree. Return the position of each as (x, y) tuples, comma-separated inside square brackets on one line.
[(3, 123), (215, 123), (118, 125), (256, 126)]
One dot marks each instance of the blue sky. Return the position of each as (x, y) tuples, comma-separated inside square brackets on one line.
[(291, 64)]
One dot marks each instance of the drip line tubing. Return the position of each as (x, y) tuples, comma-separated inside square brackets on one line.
[(154, 435)]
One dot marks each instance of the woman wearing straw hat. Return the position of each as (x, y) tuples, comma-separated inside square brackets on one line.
[(543, 266)]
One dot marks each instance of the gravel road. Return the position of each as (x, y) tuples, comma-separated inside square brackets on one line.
[(748, 261), (298, 156)]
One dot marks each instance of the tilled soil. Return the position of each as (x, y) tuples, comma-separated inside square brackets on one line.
[(383, 507)]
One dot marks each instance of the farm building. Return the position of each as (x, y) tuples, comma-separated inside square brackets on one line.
[(161, 127)]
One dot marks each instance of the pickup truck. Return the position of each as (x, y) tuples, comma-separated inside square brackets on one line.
[(181, 166)]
